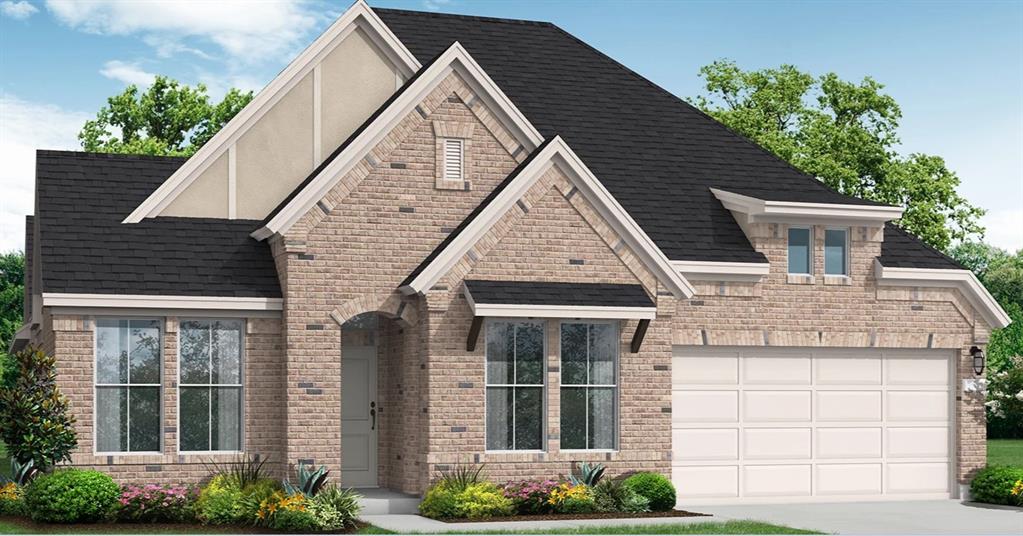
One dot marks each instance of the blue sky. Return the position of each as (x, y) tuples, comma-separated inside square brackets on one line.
[(956, 68)]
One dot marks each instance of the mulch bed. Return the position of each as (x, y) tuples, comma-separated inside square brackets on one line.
[(596, 515), (150, 528)]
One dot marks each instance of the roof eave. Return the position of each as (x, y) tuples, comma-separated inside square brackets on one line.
[(963, 280), (761, 210)]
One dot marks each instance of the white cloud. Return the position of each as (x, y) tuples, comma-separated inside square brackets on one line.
[(17, 10), (244, 30), (1004, 228), (435, 5), (129, 73), (24, 127)]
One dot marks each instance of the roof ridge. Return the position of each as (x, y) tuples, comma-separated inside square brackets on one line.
[(467, 17), (109, 156)]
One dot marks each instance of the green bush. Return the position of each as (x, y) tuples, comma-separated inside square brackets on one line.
[(220, 502), (71, 496), (335, 508), (476, 501), (994, 484), (37, 423), (439, 502), (12, 500), (615, 496), (252, 496), (295, 521), (656, 488), (156, 504)]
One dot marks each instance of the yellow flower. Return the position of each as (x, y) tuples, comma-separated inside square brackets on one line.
[(1017, 489)]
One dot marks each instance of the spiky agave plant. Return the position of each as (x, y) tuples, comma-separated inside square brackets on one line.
[(310, 481), (589, 475)]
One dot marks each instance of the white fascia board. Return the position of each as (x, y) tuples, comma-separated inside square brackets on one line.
[(760, 210), (964, 280), (509, 310), (141, 301), (557, 152), (455, 59), (722, 271), (358, 16)]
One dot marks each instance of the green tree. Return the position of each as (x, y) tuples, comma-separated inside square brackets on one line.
[(844, 134), (1001, 273), (168, 118), (12, 293), (34, 414)]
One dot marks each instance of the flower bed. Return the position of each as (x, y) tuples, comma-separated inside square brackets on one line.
[(464, 494)]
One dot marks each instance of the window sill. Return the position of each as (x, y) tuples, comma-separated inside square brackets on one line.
[(801, 279), (841, 280), (135, 453), (588, 451), (501, 452)]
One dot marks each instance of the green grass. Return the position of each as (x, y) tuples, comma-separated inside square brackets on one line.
[(1005, 452), (726, 527)]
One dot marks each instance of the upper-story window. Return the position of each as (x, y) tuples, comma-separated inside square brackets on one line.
[(836, 252), (128, 385), (800, 250), (454, 158)]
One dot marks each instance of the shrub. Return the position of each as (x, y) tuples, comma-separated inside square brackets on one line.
[(281, 511), (589, 475), (37, 425), (568, 498), (1017, 492), (220, 502), (12, 500), (335, 508), (994, 484), (475, 501), (295, 521), (615, 496), (1005, 399), (656, 488), (156, 504), (309, 481), (439, 502), (530, 496), (462, 476), (71, 496), (244, 470), (253, 496)]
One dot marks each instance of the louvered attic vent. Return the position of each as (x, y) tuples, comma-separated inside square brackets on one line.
[(453, 159)]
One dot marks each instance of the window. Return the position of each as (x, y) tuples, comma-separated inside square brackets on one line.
[(454, 155), (515, 385), (210, 386), (128, 385), (836, 261), (589, 385), (800, 250)]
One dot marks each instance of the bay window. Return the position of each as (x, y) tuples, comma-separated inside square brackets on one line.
[(210, 386), (515, 384), (128, 390), (589, 385)]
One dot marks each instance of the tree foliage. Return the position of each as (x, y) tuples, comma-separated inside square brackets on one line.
[(1001, 273), (34, 420), (12, 294), (845, 134), (168, 118)]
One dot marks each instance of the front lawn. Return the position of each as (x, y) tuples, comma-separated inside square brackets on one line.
[(726, 527), (1005, 452)]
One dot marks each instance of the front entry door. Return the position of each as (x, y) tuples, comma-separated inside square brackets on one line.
[(359, 416)]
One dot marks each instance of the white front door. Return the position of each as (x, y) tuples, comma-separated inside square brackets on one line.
[(359, 416), (803, 424)]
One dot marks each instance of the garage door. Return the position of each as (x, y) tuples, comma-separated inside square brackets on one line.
[(762, 424)]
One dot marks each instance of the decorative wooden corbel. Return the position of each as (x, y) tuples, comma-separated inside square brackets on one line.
[(474, 333), (637, 338)]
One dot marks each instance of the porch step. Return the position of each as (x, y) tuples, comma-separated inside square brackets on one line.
[(378, 501)]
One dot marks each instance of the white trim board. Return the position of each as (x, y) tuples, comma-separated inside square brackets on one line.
[(359, 15), (963, 280), (141, 301), (555, 153), (722, 271), (513, 310), (454, 60), (760, 210)]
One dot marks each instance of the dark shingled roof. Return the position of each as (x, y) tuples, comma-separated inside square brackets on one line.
[(903, 250), (654, 152), (539, 293), (82, 199), (27, 302)]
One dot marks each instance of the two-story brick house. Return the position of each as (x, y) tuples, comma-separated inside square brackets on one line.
[(438, 239)]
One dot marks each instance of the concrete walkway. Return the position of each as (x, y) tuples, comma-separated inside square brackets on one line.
[(896, 517)]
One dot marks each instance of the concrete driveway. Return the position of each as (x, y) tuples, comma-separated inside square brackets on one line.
[(894, 517)]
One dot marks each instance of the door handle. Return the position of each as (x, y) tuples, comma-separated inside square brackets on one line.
[(373, 415)]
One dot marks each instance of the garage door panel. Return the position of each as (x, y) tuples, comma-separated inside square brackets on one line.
[(916, 369), (849, 479), (918, 477), (846, 443), (704, 406), (918, 442), (776, 406), (776, 480), (760, 370), (699, 444), (722, 370), (776, 443), (848, 370), (706, 482), (917, 406), (849, 406)]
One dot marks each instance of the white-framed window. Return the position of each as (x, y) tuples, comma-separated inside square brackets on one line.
[(800, 246), (515, 384), (454, 159), (128, 395), (836, 252), (589, 385), (210, 398)]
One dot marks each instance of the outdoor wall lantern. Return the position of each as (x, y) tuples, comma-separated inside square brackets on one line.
[(978, 360)]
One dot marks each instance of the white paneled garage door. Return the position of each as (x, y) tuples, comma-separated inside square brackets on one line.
[(763, 424)]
